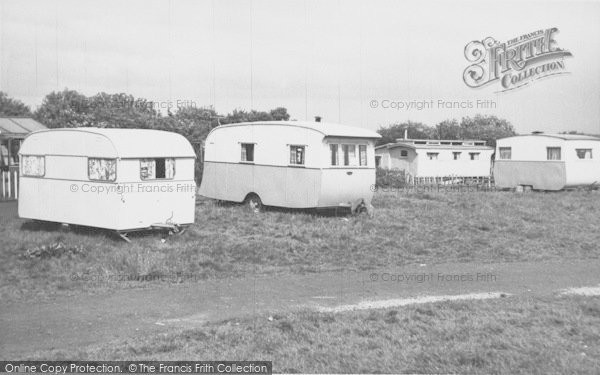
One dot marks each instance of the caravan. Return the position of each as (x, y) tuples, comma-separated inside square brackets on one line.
[(290, 164), (118, 179), (547, 161)]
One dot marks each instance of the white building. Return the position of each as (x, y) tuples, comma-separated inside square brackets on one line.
[(293, 164), (547, 161), (436, 158)]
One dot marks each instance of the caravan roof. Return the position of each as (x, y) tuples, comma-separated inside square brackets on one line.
[(566, 137), (107, 143), (327, 129)]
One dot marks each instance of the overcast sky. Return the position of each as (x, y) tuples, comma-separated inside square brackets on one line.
[(328, 58)]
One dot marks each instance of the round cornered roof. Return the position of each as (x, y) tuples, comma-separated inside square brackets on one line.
[(328, 129), (107, 143), (566, 137)]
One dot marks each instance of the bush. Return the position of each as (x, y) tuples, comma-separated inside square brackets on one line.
[(390, 177)]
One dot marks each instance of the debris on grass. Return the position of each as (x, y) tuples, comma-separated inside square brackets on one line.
[(53, 250)]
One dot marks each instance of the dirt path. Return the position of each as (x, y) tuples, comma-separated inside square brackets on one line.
[(71, 322)]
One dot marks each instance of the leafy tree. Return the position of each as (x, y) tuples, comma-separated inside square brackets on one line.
[(415, 130), (65, 109), (448, 129), (10, 107), (121, 111), (280, 114), (487, 128), (240, 115), (195, 123)]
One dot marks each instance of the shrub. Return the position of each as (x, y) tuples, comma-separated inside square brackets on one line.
[(390, 177)]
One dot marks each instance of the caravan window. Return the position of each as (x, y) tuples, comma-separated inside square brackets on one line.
[(102, 169), (403, 153), (297, 155), (248, 152), (362, 155), (334, 149), (33, 166), (432, 155), (474, 155), (505, 153), (553, 153), (456, 155), (157, 169), (349, 152), (584, 153)]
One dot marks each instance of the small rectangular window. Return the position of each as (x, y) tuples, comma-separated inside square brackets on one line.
[(334, 154), (362, 155), (377, 161), (403, 153), (157, 169), (584, 153), (456, 155), (297, 155), (553, 153), (432, 155), (102, 169), (505, 153), (248, 152), (33, 166), (349, 154), (474, 155)]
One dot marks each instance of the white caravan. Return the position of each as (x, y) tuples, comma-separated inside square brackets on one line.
[(118, 179), (290, 164), (547, 161)]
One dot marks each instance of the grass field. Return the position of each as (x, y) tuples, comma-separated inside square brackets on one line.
[(508, 335), (230, 240)]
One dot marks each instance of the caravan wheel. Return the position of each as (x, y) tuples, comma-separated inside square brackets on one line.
[(254, 203)]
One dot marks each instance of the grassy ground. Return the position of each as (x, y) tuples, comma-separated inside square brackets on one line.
[(230, 241), (508, 335)]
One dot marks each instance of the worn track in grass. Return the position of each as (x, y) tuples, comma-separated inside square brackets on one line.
[(73, 322)]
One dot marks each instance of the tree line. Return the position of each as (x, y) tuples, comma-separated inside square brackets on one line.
[(69, 108), (480, 127)]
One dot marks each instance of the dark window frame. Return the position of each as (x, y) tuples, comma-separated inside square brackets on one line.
[(245, 146)]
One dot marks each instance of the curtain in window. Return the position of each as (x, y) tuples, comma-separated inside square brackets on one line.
[(334, 154), (553, 153), (584, 153), (247, 152), (169, 168), (297, 155), (349, 154), (505, 153), (148, 169), (33, 165), (102, 169), (362, 151)]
